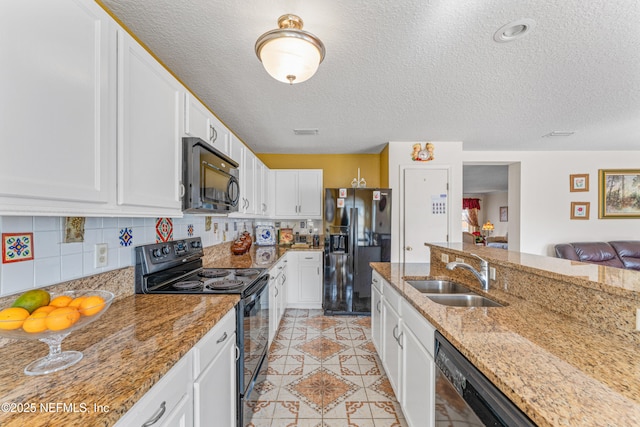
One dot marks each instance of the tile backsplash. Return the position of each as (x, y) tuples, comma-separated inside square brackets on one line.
[(55, 261)]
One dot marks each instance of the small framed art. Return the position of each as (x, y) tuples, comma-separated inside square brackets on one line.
[(579, 182), (580, 210), (504, 214)]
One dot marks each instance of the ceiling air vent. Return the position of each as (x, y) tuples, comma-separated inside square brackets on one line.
[(305, 131), (558, 133)]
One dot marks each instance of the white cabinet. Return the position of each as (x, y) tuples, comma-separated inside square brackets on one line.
[(169, 402), (277, 297), (57, 138), (247, 176), (148, 132), (376, 311), (298, 193), (214, 388), (305, 273), (263, 201), (404, 340), (202, 123)]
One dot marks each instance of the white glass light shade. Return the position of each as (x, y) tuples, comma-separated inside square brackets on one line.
[(290, 59)]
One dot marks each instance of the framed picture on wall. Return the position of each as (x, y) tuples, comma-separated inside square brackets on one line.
[(580, 210), (504, 214), (619, 193), (579, 182)]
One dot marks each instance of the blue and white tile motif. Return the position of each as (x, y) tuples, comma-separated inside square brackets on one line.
[(126, 236), (190, 230)]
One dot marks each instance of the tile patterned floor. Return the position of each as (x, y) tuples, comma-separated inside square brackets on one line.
[(323, 372)]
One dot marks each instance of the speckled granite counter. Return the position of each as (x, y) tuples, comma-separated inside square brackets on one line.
[(258, 256), (126, 352), (559, 369)]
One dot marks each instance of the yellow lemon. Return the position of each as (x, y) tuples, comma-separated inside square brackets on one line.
[(12, 318)]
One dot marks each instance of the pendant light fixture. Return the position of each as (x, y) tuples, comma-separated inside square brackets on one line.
[(289, 54)]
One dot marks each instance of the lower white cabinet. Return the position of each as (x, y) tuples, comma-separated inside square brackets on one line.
[(200, 388), (276, 301), (169, 402), (404, 340), (214, 387), (305, 279)]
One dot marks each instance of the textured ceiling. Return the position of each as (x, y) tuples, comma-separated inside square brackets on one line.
[(410, 70), (485, 178)]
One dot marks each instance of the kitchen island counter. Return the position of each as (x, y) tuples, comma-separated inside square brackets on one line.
[(560, 370), (126, 351)]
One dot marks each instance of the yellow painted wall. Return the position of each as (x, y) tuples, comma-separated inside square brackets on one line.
[(384, 167), (338, 169)]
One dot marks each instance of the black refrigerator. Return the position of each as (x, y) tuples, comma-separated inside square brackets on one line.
[(357, 231)]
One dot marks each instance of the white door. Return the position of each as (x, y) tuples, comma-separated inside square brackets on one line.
[(425, 210), (310, 193), (286, 193)]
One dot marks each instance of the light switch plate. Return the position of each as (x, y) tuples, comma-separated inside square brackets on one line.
[(459, 259), (492, 273), (101, 253), (444, 258)]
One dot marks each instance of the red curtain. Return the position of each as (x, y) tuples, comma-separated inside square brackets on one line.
[(471, 204)]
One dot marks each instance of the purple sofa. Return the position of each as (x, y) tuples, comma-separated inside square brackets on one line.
[(621, 254)]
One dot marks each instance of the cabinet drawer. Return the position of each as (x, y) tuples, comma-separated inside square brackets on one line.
[(310, 256), (163, 397), (391, 296), (421, 328), (376, 280), (211, 344)]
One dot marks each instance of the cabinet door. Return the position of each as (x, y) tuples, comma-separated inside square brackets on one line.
[(391, 350), (218, 135), (274, 309), (215, 389), (250, 182), (148, 130), (286, 183), (196, 118), (376, 320), (310, 279), (182, 415), (310, 193), (57, 80), (418, 384)]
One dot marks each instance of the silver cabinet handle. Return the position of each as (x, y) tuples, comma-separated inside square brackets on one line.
[(395, 328), (156, 417), (308, 257), (409, 248), (237, 353), (399, 340), (318, 270), (222, 338), (182, 190), (378, 306), (375, 280), (214, 134), (277, 292)]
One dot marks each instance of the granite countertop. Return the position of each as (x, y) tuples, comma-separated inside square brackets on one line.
[(126, 351), (558, 370), (257, 257)]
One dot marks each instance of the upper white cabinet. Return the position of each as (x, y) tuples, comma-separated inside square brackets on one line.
[(247, 176), (298, 193), (201, 123), (58, 108), (149, 149)]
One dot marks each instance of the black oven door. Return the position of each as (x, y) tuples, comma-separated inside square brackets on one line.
[(253, 329)]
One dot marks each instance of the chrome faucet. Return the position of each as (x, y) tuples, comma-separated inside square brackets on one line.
[(482, 276)]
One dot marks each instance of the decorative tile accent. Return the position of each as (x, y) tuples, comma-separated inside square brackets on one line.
[(207, 223), (383, 386), (322, 389), (190, 230), (320, 323), (321, 348), (364, 322), (74, 229), (17, 247), (368, 346), (126, 237), (164, 230)]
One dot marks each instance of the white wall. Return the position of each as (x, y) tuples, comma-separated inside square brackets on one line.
[(447, 154), (491, 207), (545, 199)]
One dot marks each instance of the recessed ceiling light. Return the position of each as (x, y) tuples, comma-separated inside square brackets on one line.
[(558, 133), (514, 30), (305, 131)]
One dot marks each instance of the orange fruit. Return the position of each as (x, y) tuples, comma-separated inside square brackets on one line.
[(44, 309), (35, 323), (12, 318), (76, 302), (61, 301), (62, 318), (91, 305)]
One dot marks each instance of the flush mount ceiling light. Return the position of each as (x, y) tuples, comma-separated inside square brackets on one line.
[(289, 54), (514, 30)]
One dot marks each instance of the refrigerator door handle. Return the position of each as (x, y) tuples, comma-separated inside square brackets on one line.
[(354, 239)]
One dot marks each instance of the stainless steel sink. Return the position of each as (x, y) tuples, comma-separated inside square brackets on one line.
[(438, 287), (464, 300)]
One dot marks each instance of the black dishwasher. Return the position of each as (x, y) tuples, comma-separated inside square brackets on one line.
[(465, 397)]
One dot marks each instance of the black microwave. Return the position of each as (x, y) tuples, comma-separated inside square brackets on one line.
[(210, 179)]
